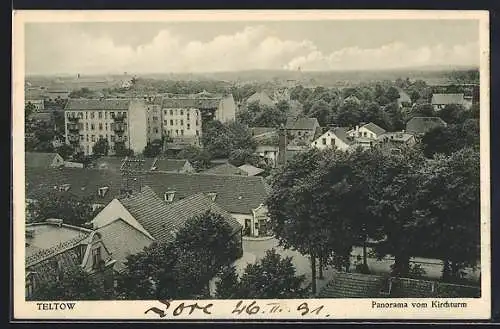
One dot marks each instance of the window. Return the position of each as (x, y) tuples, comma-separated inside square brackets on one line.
[(92, 115), (197, 133), (100, 136), (93, 138), (171, 122), (87, 137), (332, 141), (124, 114), (156, 130), (364, 134), (176, 132), (176, 121), (182, 132), (182, 112), (188, 126), (86, 115), (323, 140), (102, 191), (188, 116), (112, 114), (197, 123), (92, 126), (155, 118), (112, 138), (96, 257), (182, 122), (105, 115), (86, 126), (171, 112), (81, 137), (169, 196), (80, 115), (106, 125), (100, 115), (100, 126)]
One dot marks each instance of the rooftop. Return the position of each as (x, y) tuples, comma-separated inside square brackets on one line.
[(445, 99), (302, 124), (374, 128), (169, 165), (251, 170), (49, 238), (39, 159), (260, 97), (197, 103), (421, 125), (97, 104), (225, 169)]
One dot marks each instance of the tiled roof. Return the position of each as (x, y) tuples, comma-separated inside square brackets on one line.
[(374, 128), (356, 285), (39, 159), (97, 104), (197, 103), (302, 124), (421, 125), (341, 134), (396, 136), (236, 194), (251, 170), (169, 165), (445, 99), (162, 220), (138, 164), (123, 240), (225, 169), (82, 182), (42, 116), (256, 131), (353, 285)]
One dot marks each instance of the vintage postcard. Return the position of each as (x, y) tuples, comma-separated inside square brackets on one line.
[(251, 165)]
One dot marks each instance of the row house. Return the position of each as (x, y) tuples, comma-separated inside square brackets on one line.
[(118, 121), (440, 101)]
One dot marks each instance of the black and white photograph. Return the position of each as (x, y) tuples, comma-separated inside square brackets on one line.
[(282, 165)]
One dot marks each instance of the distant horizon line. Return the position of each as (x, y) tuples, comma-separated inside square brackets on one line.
[(409, 68)]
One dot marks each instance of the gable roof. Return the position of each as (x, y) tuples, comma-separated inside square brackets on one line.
[(172, 165), (162, 220), (374, 128), (97, 104), (341, 134), (302, 123), (109, 162), (256, 131), (138, 164), (225, 169), (235, 194), (421, 125), (123, 240), (39, 159), (260, 97), (251, 170), (445, 99)]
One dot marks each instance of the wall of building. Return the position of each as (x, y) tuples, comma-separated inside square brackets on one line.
[(328, 140), (137, 123), (154, 120), (227, 109), (181, 122)]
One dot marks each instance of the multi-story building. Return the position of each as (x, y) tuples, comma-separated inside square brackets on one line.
[(119, 121), (154, 120)]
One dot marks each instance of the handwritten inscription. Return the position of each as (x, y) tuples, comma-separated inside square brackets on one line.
[(182, 308)]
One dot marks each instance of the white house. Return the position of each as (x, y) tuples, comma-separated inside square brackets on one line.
[(335, 137), (369, 130)]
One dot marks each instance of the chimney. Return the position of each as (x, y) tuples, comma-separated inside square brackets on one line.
[(282, 146)]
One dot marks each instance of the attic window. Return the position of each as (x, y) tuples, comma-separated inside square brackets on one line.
[(102, 191), (212, 196), (169, 196)]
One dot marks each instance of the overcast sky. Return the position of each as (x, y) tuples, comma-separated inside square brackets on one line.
[(94, 48)]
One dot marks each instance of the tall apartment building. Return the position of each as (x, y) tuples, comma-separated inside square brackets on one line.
[(154, 121), (116, 120)]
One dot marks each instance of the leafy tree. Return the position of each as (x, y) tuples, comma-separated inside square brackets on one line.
[(75, 284), (71, 209), (199, 158), (65, 151), (273, 277), (283, 106), (29, 109), (349, 114), (453, 113), (395, 116), (270, 117), (101, 147), (395, 208), (451, 138), (227, 285), (451, 192), (153, 149), (422, 110), (392, 94), (221, 139), (321, 110), (121, 150)]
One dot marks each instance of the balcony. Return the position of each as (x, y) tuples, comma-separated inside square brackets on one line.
[(73, 118), (74, 127), (119, 117), (118, 127), (74, 138)]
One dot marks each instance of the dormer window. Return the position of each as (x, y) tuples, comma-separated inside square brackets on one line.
[(102, 191), (169, 196), (64, 187), (212, 195)]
